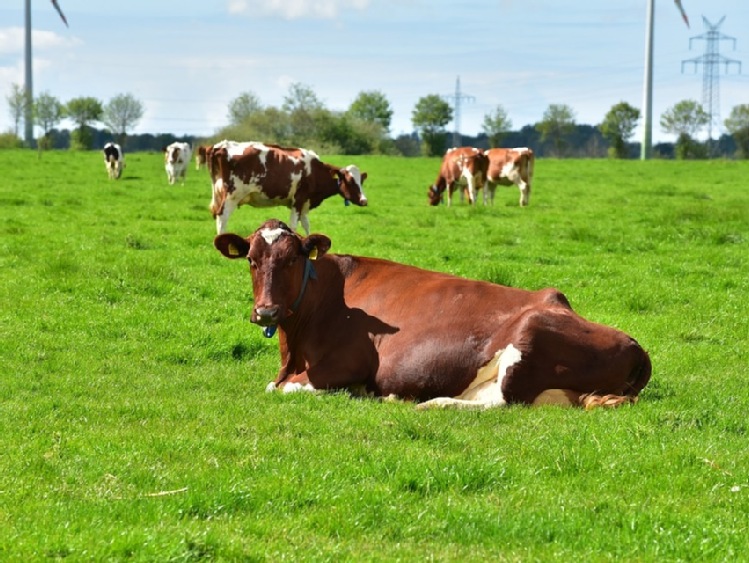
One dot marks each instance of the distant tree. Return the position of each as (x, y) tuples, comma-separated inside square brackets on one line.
[(47, 112), (496, 125), (618, 126), (737, 124), (123, 112), (243, 107), (17, 105), (430, 116), (685, 119), (372, 107), (83, 111), (556, 125), (305, 110)]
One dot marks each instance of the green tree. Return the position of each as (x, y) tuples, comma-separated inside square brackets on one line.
[(430, 116), (305, 112), (557, 124), (243, 107), (372, 107), (737, 124), (496, 125), (83, 111), (123, 112), (685, 119), (48, 112), (618, 126), (17, 105)]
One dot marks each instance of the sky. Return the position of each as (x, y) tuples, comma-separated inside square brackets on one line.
[(187, 60)]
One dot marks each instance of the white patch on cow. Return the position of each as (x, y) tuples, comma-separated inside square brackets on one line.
[(271, 235), (485, 391), (296, 387)]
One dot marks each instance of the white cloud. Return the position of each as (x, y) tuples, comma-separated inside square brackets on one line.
[(12, 40), (296, 9)]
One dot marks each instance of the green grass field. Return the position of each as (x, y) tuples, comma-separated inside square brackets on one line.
[(134, 423)]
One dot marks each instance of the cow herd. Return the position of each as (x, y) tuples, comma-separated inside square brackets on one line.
[(391, 330)]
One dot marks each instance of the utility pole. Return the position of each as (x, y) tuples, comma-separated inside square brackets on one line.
[(457, 98), (28, 118), (646, 148), (711, 61)]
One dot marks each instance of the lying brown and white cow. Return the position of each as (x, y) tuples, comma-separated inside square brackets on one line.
[(348, 322), (461, 167), (264, 175), (507, 167)]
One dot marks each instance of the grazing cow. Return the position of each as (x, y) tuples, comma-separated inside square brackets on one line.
[(461, 167), (507, 167), (200, 157), (176, 159), (264, 175), (114, 160), (348, 322)]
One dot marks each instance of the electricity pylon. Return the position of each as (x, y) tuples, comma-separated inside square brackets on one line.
[(457, 98), (711, 61)]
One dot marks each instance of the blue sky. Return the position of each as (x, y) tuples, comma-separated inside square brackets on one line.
[(186, 60)]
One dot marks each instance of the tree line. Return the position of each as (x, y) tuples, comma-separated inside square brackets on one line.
[(364, 128)]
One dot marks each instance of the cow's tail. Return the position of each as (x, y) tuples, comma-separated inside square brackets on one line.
[(637, 381)]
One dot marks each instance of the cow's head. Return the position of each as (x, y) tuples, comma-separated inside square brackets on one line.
[(280, 266), (435, 195), (350, 184)]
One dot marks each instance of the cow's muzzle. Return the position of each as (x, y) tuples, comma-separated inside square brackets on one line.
[(265, 316)]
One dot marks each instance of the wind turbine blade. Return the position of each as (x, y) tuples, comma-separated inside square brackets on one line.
[(683, 13), (59, 11)]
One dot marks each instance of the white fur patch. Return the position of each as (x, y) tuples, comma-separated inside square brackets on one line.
[(296, 387), (271, 235), (485, 391)]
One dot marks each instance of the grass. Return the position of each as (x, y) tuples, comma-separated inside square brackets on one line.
[(134, 423)]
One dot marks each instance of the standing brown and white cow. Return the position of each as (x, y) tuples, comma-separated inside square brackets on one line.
[(507, 167), (461, 167), (200, 156), (264, 175), (176, 160), (114, 160), (349, 322)]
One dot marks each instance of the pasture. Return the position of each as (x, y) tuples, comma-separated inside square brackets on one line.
[(134, 423)]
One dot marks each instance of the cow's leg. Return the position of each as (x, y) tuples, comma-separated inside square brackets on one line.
[(471, 191), (525, 193)]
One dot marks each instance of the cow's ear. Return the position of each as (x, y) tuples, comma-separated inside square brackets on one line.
[(363, 177), (232, 246), (315, 246)]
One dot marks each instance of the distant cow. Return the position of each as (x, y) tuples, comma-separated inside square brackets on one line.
[(176, 159), (200, 156), (264, 175), (461, 167), (114, 160), (348, 322), (507, 167)]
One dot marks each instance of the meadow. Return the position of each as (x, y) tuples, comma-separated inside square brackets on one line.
[(134, 425)]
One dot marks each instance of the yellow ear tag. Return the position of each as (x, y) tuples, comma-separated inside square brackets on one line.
[(232, 250), (313, 254)]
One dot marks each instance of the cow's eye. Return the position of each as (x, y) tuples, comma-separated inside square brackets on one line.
[(252, 263)]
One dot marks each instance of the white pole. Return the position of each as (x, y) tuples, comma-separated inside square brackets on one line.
[(646, 148), (28, 120)]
